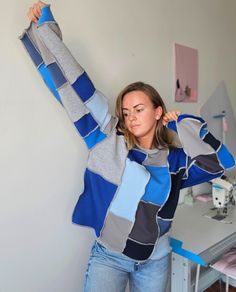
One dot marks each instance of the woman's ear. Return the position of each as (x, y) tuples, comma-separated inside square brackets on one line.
[(159, 112)]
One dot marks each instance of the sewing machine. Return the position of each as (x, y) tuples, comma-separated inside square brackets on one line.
[(224, 196)]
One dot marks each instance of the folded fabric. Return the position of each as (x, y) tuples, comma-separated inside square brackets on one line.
[(227, 264)]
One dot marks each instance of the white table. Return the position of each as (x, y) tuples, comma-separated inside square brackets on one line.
[(198, 241)]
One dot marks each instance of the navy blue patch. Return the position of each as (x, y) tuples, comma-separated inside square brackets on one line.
[(138, 251), (168, 210), (177, 159), (84, 87), (93, 203), (211, 140), (137, 156), (33, 52), (86, 124), (56, 75)]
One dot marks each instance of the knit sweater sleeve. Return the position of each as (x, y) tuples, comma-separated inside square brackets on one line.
[(205, 157), (67, 80)]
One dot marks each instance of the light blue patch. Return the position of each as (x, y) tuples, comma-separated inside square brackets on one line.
[(226, 159), (177, 248), (132, 188), (159, 185), (93, 138), (98, 106)]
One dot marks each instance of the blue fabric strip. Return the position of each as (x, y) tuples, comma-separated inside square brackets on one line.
[(226, 159), (177, 248), (93, 203), (84, 87), (184, 116), (34, 54), (43, 70), (93, 138), (46, 15)]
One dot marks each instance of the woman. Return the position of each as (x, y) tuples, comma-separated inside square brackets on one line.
[(134, 172)]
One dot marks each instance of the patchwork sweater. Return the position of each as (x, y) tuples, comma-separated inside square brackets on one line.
[(129, 197)]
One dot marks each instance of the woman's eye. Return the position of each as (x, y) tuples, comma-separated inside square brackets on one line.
[(125, 114), (139, 110)]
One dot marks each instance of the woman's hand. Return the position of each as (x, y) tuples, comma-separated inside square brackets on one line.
[(170, 116), (35, 12)]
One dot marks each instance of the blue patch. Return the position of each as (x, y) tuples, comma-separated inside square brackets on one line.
[(172, 126), (34, 54), (93, 203), (196, 175), (86, 124), (93, 138), (176, 159), (84, 87), (56, 75), (164, 225), (46, 15), (159, 185), (43, 70), (226, 159), (137, 156)]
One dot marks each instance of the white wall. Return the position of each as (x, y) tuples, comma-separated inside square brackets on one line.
[(41, 157)]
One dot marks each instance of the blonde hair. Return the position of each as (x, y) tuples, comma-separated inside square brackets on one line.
[(164, 137)]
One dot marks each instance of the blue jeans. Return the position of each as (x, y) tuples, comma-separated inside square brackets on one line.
[(110, 271)]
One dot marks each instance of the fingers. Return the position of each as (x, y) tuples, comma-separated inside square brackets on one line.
[(170, 116), (34, 12)]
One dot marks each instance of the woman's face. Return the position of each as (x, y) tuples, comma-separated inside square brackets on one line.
[(140, 117)]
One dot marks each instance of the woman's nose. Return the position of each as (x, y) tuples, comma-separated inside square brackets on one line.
[(132, 116)]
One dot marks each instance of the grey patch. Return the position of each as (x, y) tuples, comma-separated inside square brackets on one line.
[(65, 60), (46, 55), (159, 158), (108, 158), (193, 145), (55, 27), (110, 127), (73, 105), (209, 163), (145, 229), (115, 232)]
